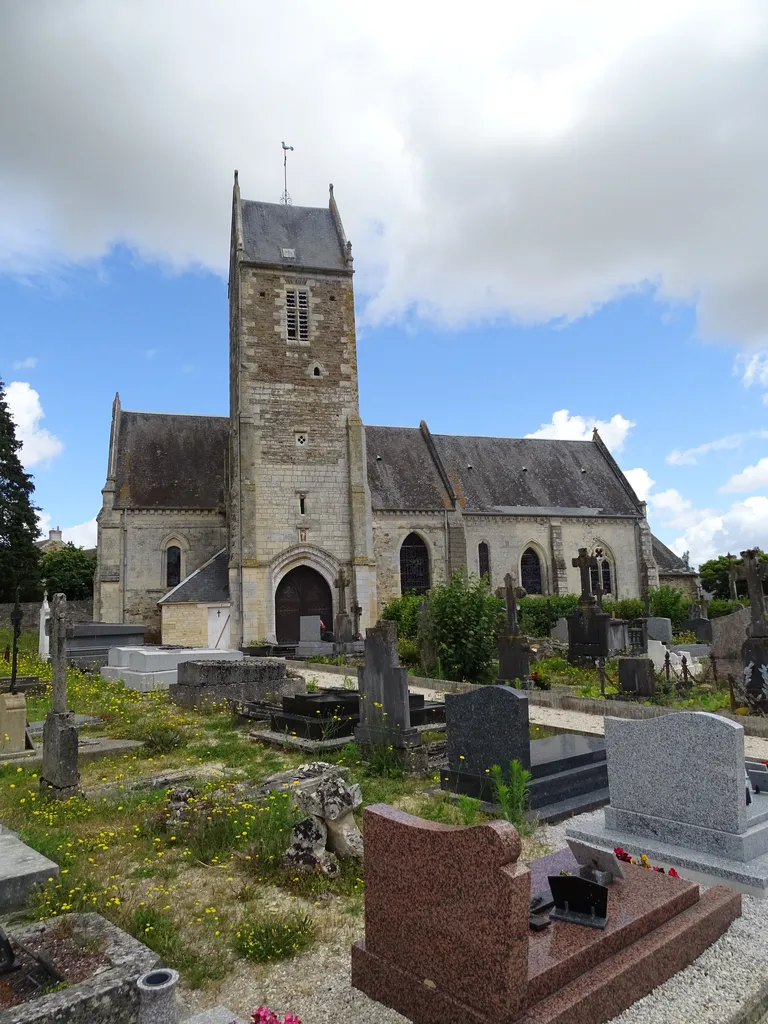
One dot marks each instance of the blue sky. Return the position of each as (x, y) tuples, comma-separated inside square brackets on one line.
[(570, 213)]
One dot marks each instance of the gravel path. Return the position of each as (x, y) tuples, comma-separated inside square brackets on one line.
[(718, 988)]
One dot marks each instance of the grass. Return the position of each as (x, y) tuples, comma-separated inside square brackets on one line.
[(275, 937)]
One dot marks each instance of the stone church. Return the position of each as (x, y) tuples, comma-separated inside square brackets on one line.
[(222, 531)]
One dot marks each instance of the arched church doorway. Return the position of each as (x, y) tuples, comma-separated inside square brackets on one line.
[(302, 591)]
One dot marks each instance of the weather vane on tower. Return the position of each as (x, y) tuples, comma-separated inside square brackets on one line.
[(285, 198)]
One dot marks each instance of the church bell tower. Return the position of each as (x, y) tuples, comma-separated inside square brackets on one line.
[(300, 525)]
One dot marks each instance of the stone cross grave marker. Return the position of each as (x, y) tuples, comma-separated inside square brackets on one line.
[(43, 636), (341, 585), (357, 611), (511, 596), (754, 572), (385, 714), (514, 651), (584, 563), (343, 623), (59, 777)]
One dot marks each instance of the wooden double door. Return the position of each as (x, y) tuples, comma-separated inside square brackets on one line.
[(302, 591)]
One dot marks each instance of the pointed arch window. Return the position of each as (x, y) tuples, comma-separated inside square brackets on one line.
[(414, 565), (484, 559), (172, 566), (602, 574), (530, 572)]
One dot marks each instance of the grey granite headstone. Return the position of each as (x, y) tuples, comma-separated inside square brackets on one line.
[(487, 726), (687, 767), (560, 630), (385, 715), (660, 628), (309, 629)]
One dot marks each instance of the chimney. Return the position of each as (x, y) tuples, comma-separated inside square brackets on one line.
[(54, 536)]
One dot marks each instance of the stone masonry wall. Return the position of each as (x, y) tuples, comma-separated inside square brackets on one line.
[(389, 531), (185, 624), (77, 611), (293, 426)]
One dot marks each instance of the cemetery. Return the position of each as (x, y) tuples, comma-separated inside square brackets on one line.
[(204, 871)]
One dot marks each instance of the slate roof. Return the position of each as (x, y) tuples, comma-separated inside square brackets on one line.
[(401, 472), (667, 561), (268, 228), (487, 475), (166, 460), (209, 583)]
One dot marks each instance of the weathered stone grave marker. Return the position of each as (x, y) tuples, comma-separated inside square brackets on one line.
[(514, 649), (588, 625), (754, 651), (59, 777)]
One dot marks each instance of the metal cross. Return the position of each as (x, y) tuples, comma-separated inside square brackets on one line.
[(754, 571), (584, 563)]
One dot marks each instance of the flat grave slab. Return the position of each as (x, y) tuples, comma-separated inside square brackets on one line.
[(21, 870), (333, 713)]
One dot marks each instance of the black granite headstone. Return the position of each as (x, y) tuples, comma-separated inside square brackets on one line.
[(487, 726), (637, 676), (579, 901)]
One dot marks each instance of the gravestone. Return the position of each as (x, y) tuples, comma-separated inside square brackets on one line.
[(429, 887), (637, 676), (385, 716), (698, 620), (754, 651), (59, 777), (637, 637), (659, 628), (309, 629), (678, 795), (13, 705), (560, 630), (588, 626), (43, 638), (489, 726), (514, 649), (728, 633), (343, 628)]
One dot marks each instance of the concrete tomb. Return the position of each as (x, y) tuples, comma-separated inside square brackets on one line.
[(155, 668), (449, 936), (89, 643), (677, 787), (215, 682), (489, 726)]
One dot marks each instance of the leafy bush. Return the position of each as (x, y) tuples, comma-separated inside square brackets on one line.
[(539, 614), (274, 938), (405, 612), (408, 651), (667, 602), (628, 608), (161, 739), (718, 606), (463, 623)]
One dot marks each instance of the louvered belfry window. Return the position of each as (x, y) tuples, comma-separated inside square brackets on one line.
[(297, 314)]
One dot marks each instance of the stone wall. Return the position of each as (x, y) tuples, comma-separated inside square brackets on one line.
[(185, 624), (389, 531), (685, 584), (77, 611)]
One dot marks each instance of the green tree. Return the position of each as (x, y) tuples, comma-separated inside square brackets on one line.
[(714, 576), (405, 612), (463, 622), (68, 570), (19, 529), (669, 603)]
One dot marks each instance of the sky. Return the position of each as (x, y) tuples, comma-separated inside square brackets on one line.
[(559, 217)]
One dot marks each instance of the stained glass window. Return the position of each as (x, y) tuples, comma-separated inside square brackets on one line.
[(414, 566), (172, 566), (484, 559), (530, 572)]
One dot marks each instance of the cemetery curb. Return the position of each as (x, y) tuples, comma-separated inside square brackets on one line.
[(557, 699)]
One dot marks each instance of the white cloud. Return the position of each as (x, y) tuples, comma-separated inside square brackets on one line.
[(690, 456), (641, 482), (751, 478), (39, 445), (520, 172), (26, 364), (150, 353), (565, 427), (82, 536)]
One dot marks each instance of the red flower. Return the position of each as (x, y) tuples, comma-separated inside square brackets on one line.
[(621, 854), (672, 873), (660, 870)]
